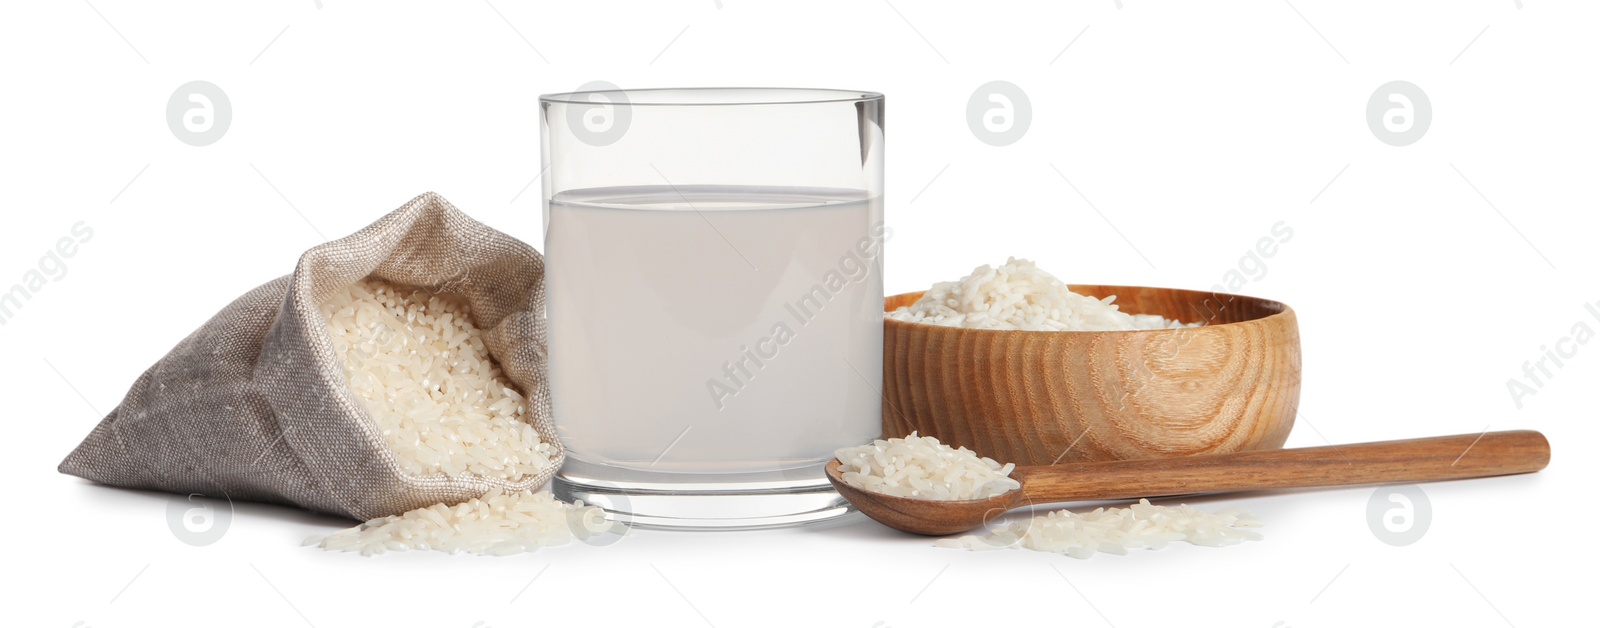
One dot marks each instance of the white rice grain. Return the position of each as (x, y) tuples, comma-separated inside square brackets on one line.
[(1019, 296), (921, 467), (1115, 530), (497, 524), (422, 372)]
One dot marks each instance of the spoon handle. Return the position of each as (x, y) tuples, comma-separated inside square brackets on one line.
[(1414, 460)]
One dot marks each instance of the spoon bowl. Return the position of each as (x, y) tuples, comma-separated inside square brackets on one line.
[(924, 516)]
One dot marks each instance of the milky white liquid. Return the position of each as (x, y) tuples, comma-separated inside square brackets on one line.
[(653, 291)]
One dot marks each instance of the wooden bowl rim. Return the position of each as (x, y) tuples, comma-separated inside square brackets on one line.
[(1284, 311)]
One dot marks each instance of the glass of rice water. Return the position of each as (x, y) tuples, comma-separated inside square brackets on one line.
[(714, 275)]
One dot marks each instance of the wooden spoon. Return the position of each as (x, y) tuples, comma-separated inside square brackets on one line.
[(1415, 460)]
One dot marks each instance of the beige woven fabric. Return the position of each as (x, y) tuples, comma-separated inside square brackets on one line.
[(253, 405)]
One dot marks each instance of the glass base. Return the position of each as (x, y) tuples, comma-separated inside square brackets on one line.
[(695, 501)]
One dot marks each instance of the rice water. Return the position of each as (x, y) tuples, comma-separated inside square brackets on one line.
[(714, 329)]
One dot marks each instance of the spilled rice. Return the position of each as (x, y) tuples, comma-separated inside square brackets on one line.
[(497, 524)]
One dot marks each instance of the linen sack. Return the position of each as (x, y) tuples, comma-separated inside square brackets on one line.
[(254, 404)]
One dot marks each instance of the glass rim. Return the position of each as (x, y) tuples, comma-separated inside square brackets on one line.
[(715, 96)]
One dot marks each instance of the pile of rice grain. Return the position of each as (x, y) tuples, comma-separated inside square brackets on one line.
[(1116, 530), (498, 524), (920, 467), (420, 368), (1019, 296)]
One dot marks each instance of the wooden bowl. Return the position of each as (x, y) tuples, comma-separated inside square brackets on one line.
[(1039, 398)]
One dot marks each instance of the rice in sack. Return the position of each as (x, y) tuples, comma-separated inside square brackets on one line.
[(270, 402)]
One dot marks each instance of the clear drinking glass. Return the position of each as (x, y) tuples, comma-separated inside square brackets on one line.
[(715, 298)]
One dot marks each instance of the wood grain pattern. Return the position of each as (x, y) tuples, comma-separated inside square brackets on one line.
[(1414, 460), (1038, 398)]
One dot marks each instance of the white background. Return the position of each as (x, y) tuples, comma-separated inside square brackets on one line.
[(1424, 276)]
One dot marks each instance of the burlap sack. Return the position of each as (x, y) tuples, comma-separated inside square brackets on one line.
[(253, 406)]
